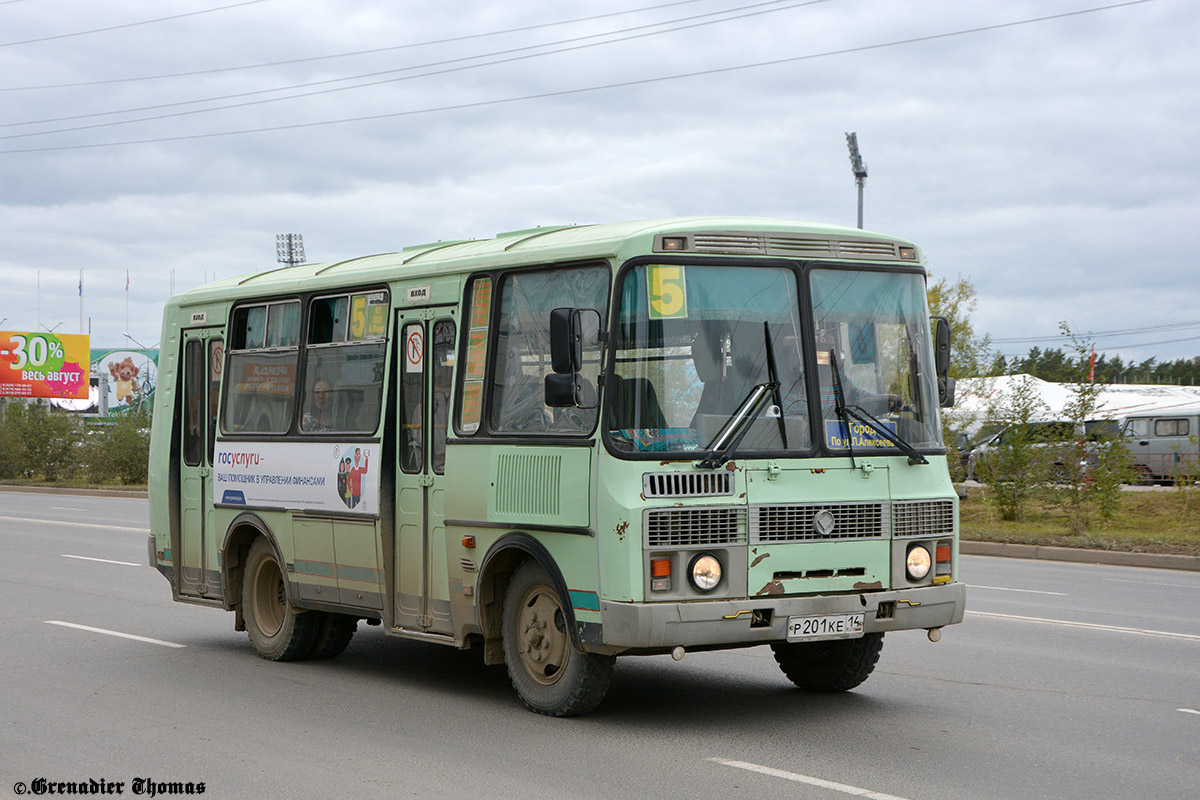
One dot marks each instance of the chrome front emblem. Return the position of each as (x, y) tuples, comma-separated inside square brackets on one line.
[(824, 522)]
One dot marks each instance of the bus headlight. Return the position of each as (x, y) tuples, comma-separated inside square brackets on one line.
[(919, 562), (705, 572)]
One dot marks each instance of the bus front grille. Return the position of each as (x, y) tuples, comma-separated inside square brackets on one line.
[(817, 521), (923, 518), (695, 527)]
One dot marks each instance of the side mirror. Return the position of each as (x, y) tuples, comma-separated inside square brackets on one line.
[(574, 332), (560, 391), (946, 392), (941, 361), (566, 345), (941, 346)]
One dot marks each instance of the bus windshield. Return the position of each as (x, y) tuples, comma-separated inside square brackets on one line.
[(693, 341), (873, 343)]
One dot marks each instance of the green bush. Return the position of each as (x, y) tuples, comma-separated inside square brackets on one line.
[(40, 442), (119, 450)]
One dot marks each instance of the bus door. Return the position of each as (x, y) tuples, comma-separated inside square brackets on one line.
[(203, 357), (425, 366)]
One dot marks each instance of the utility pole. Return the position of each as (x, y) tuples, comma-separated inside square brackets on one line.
[(289, 248), (859, 169)]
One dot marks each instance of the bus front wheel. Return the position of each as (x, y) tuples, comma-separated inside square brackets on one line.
[(278, 630), (549, 674), (830, 666)]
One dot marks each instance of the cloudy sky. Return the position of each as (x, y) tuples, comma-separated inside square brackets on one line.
[(1047, 150)]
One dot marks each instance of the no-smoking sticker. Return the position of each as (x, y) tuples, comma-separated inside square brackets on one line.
[(414, 350)]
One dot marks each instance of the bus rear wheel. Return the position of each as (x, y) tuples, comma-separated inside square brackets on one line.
[(549, 674), (278, 630), (831, 666)]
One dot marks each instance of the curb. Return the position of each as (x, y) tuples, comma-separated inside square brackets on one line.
[(1081, 556), (133, 493)]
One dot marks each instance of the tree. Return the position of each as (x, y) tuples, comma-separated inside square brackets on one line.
[(970, 355), (1015, 469), (1093, 466)]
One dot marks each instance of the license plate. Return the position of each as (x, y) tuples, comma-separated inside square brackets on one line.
[(825, 626)]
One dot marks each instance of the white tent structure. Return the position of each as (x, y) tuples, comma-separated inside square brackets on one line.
[(974, 397)]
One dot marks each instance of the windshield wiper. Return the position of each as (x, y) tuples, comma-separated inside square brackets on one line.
[(839, 404), (737, 426), (859, 413), (773, 377)]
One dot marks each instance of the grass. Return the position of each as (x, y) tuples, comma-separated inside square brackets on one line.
[(1146, 522)]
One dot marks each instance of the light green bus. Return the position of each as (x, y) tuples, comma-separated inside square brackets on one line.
[(567, 444)]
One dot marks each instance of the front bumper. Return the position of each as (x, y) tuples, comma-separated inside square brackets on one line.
[(729, 622)]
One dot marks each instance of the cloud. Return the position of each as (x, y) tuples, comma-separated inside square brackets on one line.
[(1050, 163)]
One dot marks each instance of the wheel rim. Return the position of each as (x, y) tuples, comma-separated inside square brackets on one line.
[(542, 639), (270, 597)]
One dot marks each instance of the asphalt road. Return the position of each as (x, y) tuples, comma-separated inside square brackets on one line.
[(1065, 681)]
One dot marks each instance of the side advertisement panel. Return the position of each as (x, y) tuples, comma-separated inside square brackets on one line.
[(337, 477)]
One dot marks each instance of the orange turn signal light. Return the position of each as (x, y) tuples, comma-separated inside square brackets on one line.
[(943, 552), (468, 542), (660, 568)]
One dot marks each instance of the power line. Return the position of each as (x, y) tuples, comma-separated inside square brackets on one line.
[(575, 91), (309, 59), (572, 47), (1100, 334), (131, 24), (1123, 346)]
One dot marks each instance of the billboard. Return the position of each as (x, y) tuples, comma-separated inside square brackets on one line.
[(53, 365)]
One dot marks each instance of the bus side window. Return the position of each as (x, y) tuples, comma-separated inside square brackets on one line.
[(343, 364), (442, 354), (523, 346), (261, 368)]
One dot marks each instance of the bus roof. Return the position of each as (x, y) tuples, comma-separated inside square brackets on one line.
[(556, 243)]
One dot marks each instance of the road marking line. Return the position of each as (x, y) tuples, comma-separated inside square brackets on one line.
[(113, 633), (1157, 583), (67, 508), (811, 781), (1006, 589), (1091, 626), (75, 524), (103, 560), (1188, 710)]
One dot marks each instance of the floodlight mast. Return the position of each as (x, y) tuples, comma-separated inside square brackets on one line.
[(289, 248), (859, 169)]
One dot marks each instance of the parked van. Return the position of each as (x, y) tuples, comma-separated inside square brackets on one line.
[(1165, 445)]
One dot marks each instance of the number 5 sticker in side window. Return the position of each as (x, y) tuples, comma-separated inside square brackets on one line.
[(667, 292)]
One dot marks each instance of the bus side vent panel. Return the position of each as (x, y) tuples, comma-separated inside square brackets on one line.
[(528, 485), (687, 484), (818, 522), (695, 527), (923, 518)]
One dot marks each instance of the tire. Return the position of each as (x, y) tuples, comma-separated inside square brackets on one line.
[(833, 666), (550, 676), (278, 630), (334, 632)]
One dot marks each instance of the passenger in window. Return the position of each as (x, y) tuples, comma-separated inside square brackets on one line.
[(319, 415)]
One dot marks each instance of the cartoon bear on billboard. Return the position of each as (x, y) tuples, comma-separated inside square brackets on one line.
[(125, 374)]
